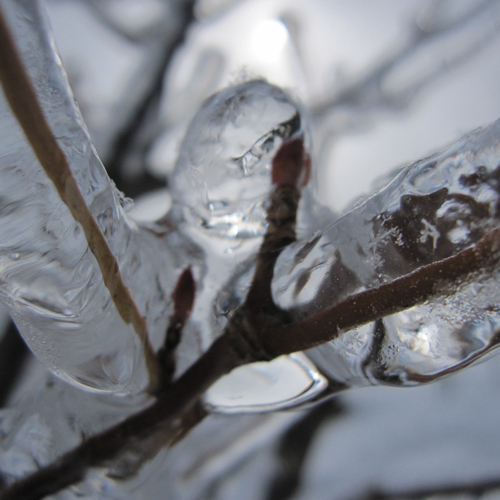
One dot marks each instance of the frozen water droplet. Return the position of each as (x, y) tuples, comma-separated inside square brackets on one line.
[(222, 183), (222, 178), (282, 383)]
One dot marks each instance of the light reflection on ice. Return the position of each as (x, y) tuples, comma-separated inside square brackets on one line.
[(283, 382)]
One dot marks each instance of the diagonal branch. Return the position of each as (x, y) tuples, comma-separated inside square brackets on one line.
[(479, 489), (433, 280), (238, 345), (430, 281), (24, 103)]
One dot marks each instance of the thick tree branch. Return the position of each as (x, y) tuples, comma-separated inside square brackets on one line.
[(24, 103), (257, 331), (238, 345), (175, 402), (183, 300)]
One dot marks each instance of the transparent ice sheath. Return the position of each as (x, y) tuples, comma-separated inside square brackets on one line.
[(431, 210), (220, 188), (50, 281)]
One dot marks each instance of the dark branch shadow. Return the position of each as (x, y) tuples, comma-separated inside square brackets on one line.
[(129, 138), (475, 489), (13, 355), (294, 446)]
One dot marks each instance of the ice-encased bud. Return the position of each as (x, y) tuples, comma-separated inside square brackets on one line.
[(244, 141), (222, 177)]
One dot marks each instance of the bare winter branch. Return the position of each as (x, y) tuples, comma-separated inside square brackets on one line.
[(24, 103), (436, 279), (259, 331)]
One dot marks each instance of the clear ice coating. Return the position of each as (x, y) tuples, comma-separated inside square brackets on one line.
[(431, 210), (287, 381), (52, 285), (220, 190), (49, 279), (222, 175)]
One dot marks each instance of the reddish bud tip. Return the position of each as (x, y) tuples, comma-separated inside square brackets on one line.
[(291, 164), (183, 296)]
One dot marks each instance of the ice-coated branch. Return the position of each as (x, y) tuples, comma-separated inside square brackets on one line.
[(433, 210), (75, 270), (426, 283), (163, 418), (183, 300), (431, 235), (260, 330), (24, 103), (226, 354), (238, 344)]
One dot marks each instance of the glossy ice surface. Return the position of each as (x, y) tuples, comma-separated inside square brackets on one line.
[(50, 280), (383, 82), (432, 210)]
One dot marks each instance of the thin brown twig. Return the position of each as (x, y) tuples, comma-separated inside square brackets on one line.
[(172, 404), (258, 331), (183, 300), (433, 280), (24, 103)]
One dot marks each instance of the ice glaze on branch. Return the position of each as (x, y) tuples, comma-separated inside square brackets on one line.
[(238, 345), (57, 142), (24, 103), (430, 281), (259, 330)]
